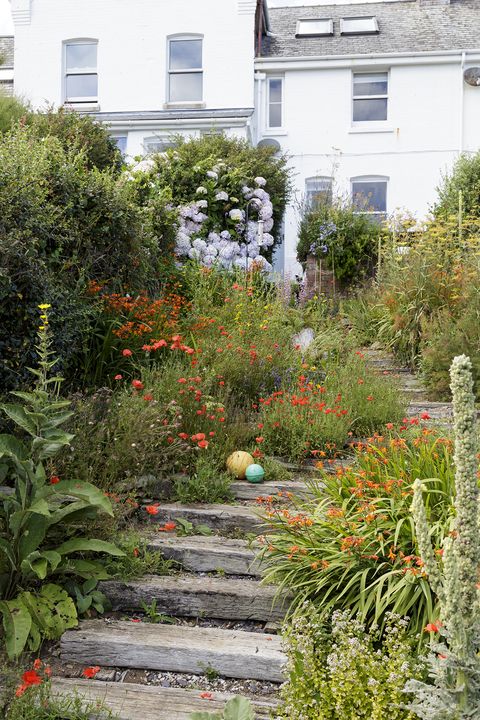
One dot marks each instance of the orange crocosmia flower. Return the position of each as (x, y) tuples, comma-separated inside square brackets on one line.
[(127, 352), (369, 397), (152, 509), (433, 627), (135, 552), (20, 690), (91, 671), (389, 426), (54, 480), (37, 664), (203, 444), (30, 677), (137, 384), (169, 526)]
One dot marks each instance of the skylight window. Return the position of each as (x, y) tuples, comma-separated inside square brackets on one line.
[(314, 28), (359, 26)]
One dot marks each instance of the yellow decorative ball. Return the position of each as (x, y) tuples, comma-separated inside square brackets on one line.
[(238, 462)]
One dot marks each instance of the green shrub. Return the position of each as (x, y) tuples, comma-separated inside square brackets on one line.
[(39, 520), (352, 544), (464, 178), (12, 110), (344, 239), (341, 671)]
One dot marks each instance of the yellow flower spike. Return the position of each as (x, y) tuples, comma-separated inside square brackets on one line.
[(41, 327), (45, 306)]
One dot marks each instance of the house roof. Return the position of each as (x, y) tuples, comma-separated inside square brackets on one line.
[(6, 51), (404, 27)]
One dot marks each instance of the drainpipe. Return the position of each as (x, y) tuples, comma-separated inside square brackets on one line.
[(462, 103)]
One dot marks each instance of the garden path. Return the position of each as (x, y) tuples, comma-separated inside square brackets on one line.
[(215, 625)]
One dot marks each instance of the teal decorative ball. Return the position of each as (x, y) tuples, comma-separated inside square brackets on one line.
[(255, 473)]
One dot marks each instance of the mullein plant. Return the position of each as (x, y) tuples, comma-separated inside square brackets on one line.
[(454, 692)]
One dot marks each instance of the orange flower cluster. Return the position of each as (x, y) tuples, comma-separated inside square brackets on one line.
[(141, 315), (36, 676)]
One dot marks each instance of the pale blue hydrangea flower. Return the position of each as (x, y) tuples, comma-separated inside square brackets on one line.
[(260, 181)]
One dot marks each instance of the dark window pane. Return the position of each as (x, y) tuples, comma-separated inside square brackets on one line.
[(365, 110), (185, 54), (81, 56), (370, 196), (275, 91), (275, 115), (319, 192), (186, 87), (82, 86), (370, 85)]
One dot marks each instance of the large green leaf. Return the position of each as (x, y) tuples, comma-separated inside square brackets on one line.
[(86, 569), (81, 490), (6, 549), (9, 445), (89, 545), (238, 708), (17, 622), (32, 536), (20, 417)]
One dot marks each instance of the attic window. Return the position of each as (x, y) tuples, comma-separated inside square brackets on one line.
[(314, 28), (359, 26)]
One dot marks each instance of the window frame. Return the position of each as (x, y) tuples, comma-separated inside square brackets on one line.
[(272, 129), (85, 99), (346, 32), (385, 179), (382, 96), (301, 34), (185, 37), (309, 204)]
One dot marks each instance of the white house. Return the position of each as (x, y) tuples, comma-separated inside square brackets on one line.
[(375, 98)]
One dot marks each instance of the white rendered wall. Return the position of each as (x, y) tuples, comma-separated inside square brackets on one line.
[(132, 50), (420, 140)]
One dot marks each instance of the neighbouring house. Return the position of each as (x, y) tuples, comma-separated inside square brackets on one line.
[(6, 65), (370, 99)]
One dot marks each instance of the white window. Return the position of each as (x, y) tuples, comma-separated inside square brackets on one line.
[(314, 28), (81, 77), (370, 97), (369, 194), (318, 191), (121, 142), (275, 103), (185, 70), (157, 144), (359, 26)]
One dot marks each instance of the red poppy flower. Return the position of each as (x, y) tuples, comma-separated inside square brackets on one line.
[(118, 377), (425, 416), (127, 352), (91, 671), (30, 677), (20, 690), (137, 384), (206, 696), (203, 444), (183, 436), (259, 440), (148, 397), (152, 509), (432, 627), (54, 480)]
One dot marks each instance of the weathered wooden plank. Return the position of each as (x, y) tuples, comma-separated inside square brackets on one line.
[(175, 648), (243, 490), (223, 518), (194, 596), (131, 701), (198, 553)]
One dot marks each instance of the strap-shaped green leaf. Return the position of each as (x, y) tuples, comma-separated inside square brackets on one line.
[(17, 622), (89, 545)]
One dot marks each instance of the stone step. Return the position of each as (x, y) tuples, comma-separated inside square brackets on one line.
[(131, 701), (436, 410), (174, 648), (198, 553), (243, 490), (222, 518), (199, 597)]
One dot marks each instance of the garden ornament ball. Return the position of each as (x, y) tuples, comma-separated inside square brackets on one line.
[(238, 463), (255, 473)]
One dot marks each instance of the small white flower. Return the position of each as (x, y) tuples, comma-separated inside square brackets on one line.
[(212, 174), (201, 190), (260, 181)]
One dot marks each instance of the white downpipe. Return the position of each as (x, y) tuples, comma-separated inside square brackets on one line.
[(462, 103)]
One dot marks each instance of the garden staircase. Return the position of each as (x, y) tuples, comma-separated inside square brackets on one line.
[(217, 631)]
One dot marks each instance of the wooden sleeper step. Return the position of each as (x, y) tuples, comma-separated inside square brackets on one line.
[(198, 553), (222, 518), (131, 701), (199, 597), (175, 648)]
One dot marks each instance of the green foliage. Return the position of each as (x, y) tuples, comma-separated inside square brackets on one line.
[(351, 544), (182, 169), (344, 239), (345, 672), (464, 178), (154, 617), (185, 528), (207, 484), (137, 559), (12, 109), (454, 663), (38, 538), (79, 133), (238, 708)]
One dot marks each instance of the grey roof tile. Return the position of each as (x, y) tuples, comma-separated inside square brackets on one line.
[(6, 51), (405, 27)]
